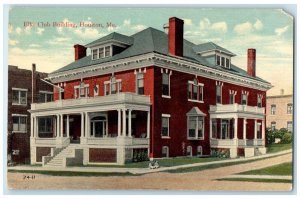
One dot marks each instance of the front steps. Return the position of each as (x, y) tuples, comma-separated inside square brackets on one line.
[(71, 155)]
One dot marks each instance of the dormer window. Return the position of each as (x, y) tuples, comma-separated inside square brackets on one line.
[(101, 52), (222, 60)]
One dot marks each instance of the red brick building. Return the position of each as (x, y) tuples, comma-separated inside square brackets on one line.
[(150, 93), (24, 88)]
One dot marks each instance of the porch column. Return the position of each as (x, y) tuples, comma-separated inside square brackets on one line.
[(244, 128), (31, 126), (129, 122), (210, 128), (148, 124), (57, 126), (68, 127), (36, 130), (255, 129), (119, 122), (61, 125), (82, 125), (263, 129), (124, 123), (87, 133), (235, 127)]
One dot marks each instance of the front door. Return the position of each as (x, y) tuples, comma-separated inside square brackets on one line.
[(99, 129)]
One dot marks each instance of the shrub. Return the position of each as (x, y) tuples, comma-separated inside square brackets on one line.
[(287, 138)]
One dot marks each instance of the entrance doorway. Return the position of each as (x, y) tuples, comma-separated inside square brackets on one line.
[(98, 126)]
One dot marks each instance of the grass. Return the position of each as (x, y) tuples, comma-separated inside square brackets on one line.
[(213, 166), (163, 162), (256, 180), (281, 169), (72, 173), (273, 148)]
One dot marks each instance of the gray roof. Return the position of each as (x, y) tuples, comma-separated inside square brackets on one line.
[(153, 40), (113, 37), (210, 46)]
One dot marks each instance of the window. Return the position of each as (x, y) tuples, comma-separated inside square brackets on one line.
[(258, 131), (82, 90), (290, 108), (140, 83), (107, 51), (165, 125), (195, 127), (94, 53), (165, 152), (96, 90), (223, 61), (45, 96), (165, 84), (218, 60), (273, 126), (189, 151), (219, 94), (244, 99), (19, 96), (199, 151), (101, 53), (195, 90), (259, 101), (290, 126), (214, 128), (273, 109), (19, 123), (45, 124), (113, 86), (227, 63), (231, 98), (225, 129)]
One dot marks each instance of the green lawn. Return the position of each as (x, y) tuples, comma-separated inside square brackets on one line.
[(72, 173), (281, 169), (256, 180), (273, 148)]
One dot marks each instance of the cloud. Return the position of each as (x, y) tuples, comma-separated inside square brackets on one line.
[(40, 31), (138, 27), (243, 28), (34, 45), (188, 22), (13, 42), (18, 30), (89, 33), (280, 31), (258, 25), (220, 27), (126, 22), (59, 41)]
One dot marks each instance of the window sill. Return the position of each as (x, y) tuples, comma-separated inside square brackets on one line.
[(14, 104), (19, 131), (165, 137), (190, 100), (189, 138), (166, 96)]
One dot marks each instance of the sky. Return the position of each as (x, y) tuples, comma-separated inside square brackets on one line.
[(269, 31)]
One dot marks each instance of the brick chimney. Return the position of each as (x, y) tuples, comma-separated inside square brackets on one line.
[(251, 66), (33, 79), (175, 36), (80, 51)]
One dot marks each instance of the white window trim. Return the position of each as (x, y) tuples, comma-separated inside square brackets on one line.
[(97, 49), (96, 93), (20, 89), (287, 108), (271, 112), (109, 82), (50, 116), (200, 85), (188, 128), (78, 87), (225, 59), (191, 155), (170, 73), (219, 84), (46, 92), (20, 115), (136, 72), (228, 132), (166, 116), (258, 129), (199, 147)]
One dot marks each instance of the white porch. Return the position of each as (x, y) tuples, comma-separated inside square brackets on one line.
[(92, 119)]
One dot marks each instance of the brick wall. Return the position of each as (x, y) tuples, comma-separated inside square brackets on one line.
[(102, 155)]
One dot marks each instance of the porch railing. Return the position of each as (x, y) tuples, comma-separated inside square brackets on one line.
[(236, 108)]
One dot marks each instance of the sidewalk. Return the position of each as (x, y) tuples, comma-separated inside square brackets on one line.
[(141, 170), (277, 177)]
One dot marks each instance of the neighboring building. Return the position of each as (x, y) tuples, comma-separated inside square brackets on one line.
[(154, 93), (22, 85), (280, 112)]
